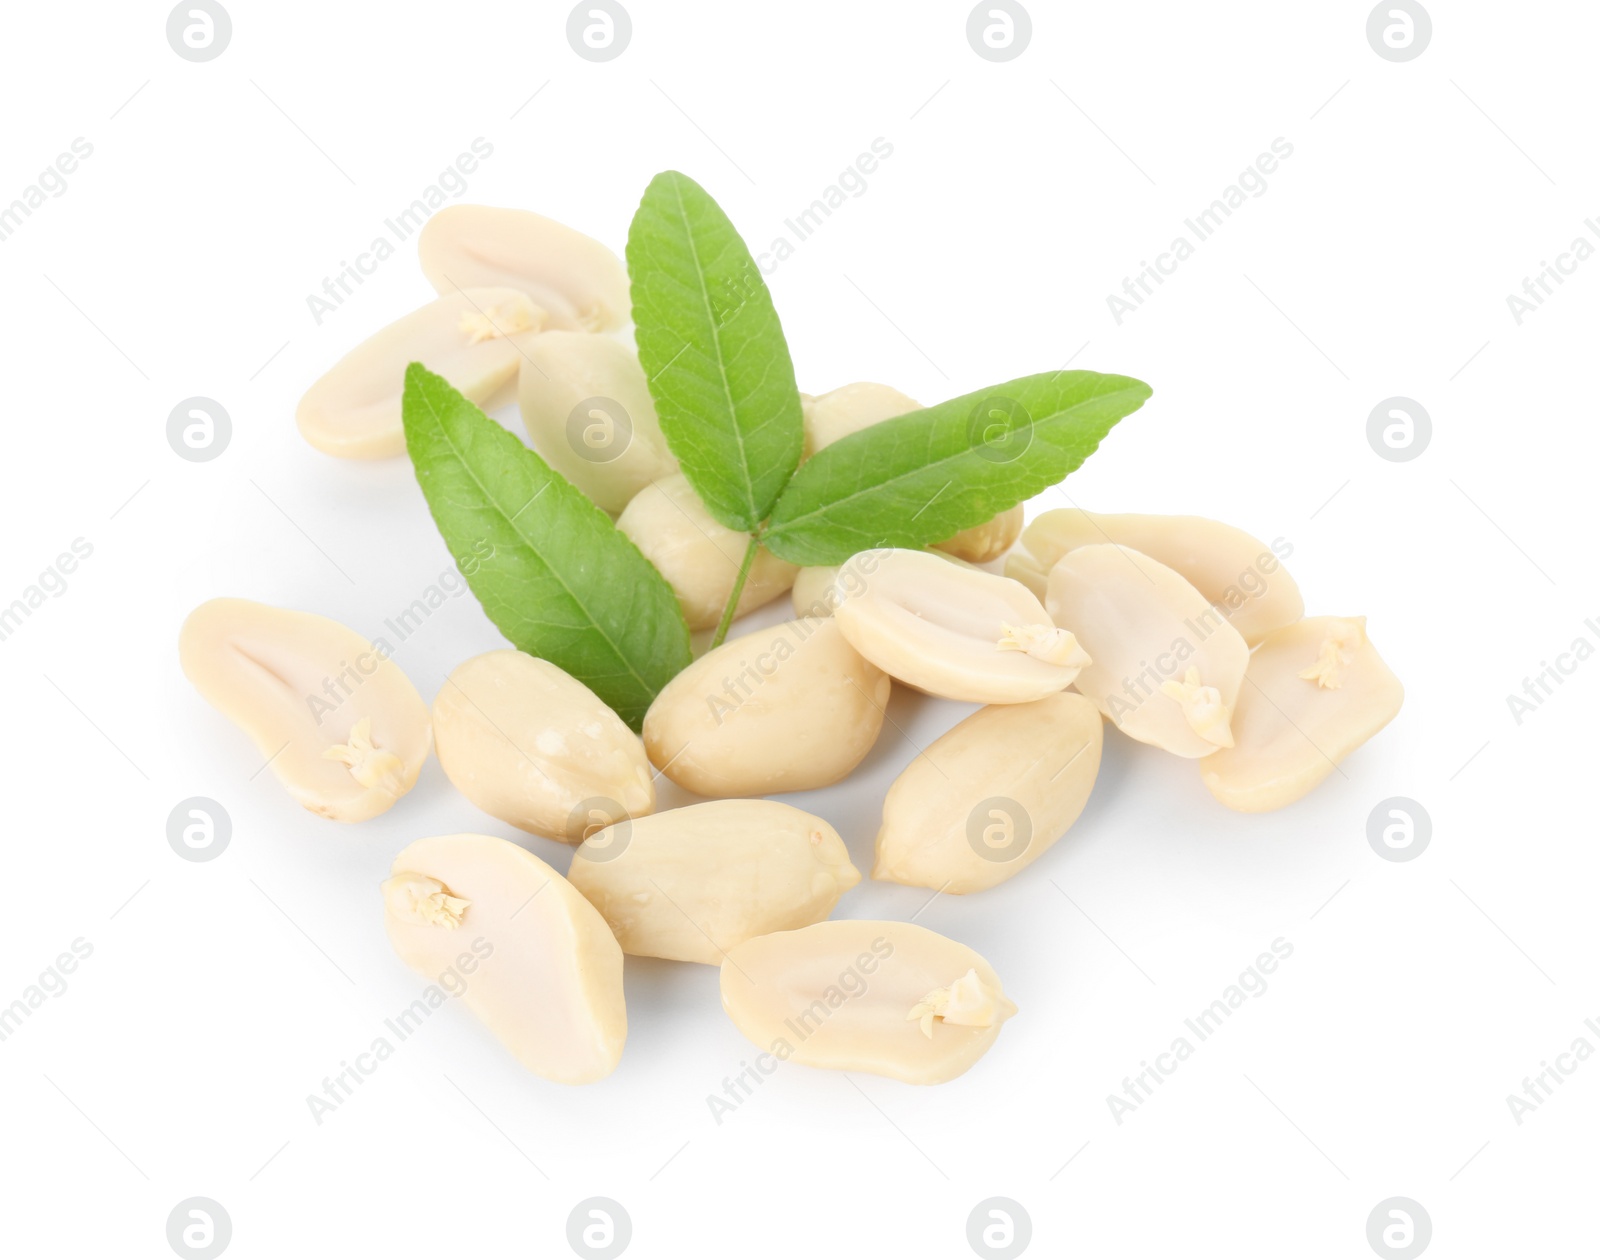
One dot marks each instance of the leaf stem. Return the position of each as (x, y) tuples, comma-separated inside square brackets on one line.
[(738, 590)]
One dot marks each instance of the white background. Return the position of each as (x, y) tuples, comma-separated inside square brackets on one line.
[(1419, 994)]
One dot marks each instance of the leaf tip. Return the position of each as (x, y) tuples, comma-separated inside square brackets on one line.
[(416, 377)]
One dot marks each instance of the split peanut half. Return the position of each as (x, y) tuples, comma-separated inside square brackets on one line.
[(860, 995), (581, 283), (1314, 693), (816, 595), (953, 631), (695, 882), (339, 723), (548, 981), (1167, 666), (1242, 576), (474, 339)]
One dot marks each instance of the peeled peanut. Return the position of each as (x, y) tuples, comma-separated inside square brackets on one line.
[(952, 631), (1241, 575), (864, 996), (574, 277), (339, 723), (547, 980), (692, 883), (852, 408), (588, 411), (849, 409), (525, 741), (815, 594), (989, 796), (986, 542), (698, 555), (1314, 693), (1167, 666), (784, 709), (474, 339)]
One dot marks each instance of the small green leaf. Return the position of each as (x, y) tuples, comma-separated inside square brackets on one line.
[(551, 570), (922, 477), (713, 351)]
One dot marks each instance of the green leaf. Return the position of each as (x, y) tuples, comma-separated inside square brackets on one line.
[(551, 570), (713, 351), (922, 477)]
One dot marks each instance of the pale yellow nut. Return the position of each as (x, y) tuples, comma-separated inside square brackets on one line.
[(692, 883), (698, 555), (580, 282), (813, 594), (841, 995), (851, 408), (1242, 576), (784, 709), (339, 723), (848, 410), (991, 795), (474, 339), (945, 628), (588, 412), (521, 947), (816, 593), (1167, 666), (526, 742), (1290, 727), (988, 541)]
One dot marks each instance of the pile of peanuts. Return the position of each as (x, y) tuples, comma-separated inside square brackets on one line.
[(1183, 633)]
